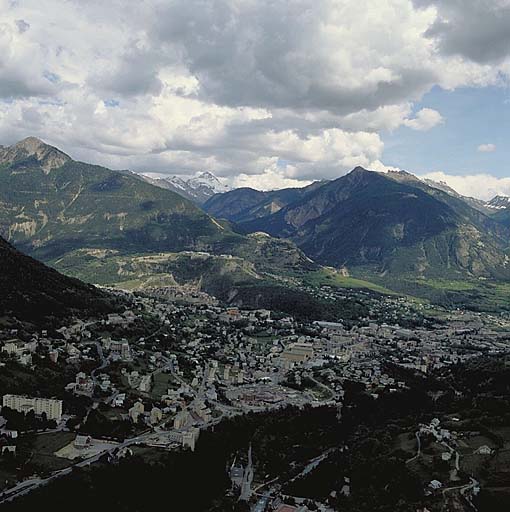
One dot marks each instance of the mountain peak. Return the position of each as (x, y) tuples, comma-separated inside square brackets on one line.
[(30, 143), (358, 175), (443, 186), (403, 177), (401, 172), (359, 170), (47, 156), (206, 174)]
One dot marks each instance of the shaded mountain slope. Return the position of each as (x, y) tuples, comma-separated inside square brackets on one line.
[(33, 292), (245, 204)]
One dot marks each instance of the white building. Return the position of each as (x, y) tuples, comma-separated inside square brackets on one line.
[(297, 353), (19, 349), (52, 408), (145, 384), (121, 349)]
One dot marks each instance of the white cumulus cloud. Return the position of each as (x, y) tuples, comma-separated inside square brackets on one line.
[(487, 148), (424, 120), (482, 185)]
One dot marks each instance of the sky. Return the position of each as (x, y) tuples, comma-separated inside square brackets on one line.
[(264, 93)]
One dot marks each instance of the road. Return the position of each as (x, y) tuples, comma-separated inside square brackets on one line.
[(418, 448), (275, 487), (323, 386), (463, 488), (104, 362)]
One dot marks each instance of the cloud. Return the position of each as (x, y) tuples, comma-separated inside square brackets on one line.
[(271, 178), (486, 148), (482, 186), (424, 120), (378, 166), (477, 30), (22, 25), (16, 80), (255, 90), (136, 72), (310, 56)]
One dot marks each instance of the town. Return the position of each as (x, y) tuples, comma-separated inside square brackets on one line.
[(176, 363)]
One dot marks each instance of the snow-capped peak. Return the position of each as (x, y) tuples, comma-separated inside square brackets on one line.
[(208, 179), (198, 188), (499, 202)]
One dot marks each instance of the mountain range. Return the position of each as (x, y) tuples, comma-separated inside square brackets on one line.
[(51, 204), (245, 204), (203, 186), (89, 220), (390, 223), (118, 227)]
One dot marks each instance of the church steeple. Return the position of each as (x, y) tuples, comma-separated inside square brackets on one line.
[(246, 491)]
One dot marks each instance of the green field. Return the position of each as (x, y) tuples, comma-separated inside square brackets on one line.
[(328, 276), (50, 443), (162, 382), (473, 294), (40, 450)]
